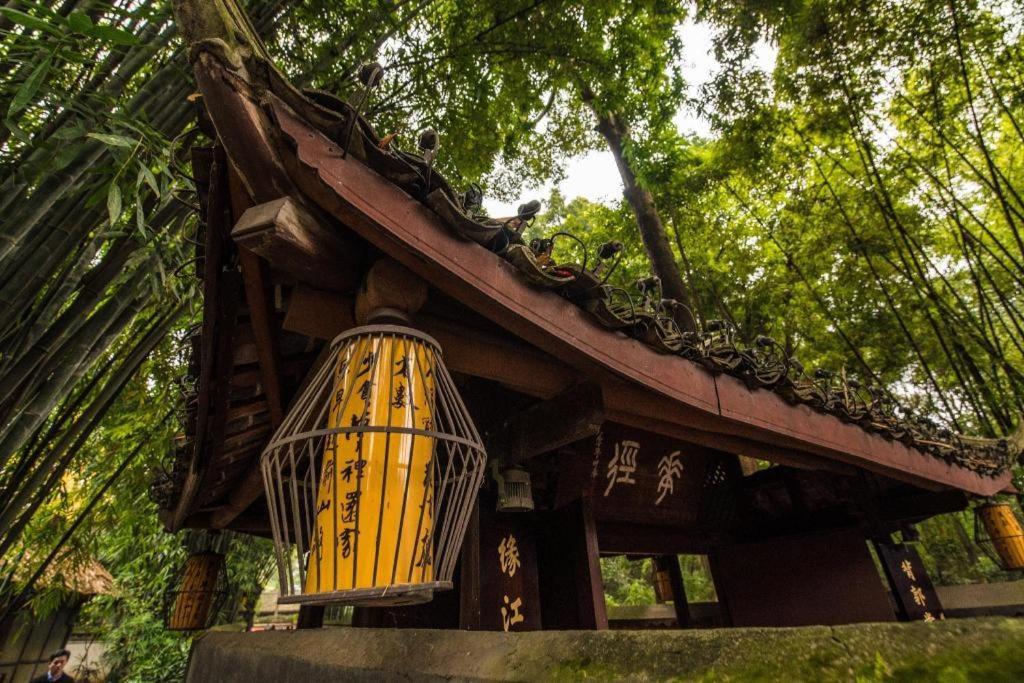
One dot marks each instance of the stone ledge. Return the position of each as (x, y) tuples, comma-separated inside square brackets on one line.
[(969, 649)]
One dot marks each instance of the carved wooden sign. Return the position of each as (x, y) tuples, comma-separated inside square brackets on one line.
[(916, 598), (509, 592), (638, 476)]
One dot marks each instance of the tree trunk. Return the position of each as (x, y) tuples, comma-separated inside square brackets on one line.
[(652, 230)]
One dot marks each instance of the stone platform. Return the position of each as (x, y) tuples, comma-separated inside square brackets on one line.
[(956, 650)]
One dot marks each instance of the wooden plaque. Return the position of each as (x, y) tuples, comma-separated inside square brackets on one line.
[(637, 476), (916, 598)]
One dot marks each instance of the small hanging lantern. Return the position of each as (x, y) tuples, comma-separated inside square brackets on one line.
[(999, 533), (202, 587), (371, 478), (515, 494)]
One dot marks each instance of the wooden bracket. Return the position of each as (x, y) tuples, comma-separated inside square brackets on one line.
[(390, 290), (296, 242), (575, 414), (325, 315)]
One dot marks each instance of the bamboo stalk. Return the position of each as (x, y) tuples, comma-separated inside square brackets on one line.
[(71, 442)]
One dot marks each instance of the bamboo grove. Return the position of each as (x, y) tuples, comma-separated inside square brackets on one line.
[(96, 217), (862, 201), (890, 177)]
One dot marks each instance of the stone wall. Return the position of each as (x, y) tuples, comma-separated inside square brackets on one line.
[(968, 649)]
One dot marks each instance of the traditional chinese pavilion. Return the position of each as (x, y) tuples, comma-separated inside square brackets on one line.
[(607, 432)]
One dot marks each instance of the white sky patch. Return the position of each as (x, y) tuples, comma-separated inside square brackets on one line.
[(594, 175)]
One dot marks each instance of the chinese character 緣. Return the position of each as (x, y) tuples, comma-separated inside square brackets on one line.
[(508, 555)]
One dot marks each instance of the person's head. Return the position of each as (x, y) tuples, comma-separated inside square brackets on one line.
[(58, 660)]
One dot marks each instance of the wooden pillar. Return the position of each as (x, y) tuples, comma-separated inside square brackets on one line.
[(800, 581), (670, 564), (310, 616), (571, 589), (498, 574), (469, 575)]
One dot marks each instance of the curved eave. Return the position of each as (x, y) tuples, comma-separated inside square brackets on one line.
[(642, 387)]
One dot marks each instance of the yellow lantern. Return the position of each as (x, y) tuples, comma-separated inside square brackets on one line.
[(371, 477), (1004, 532), (375, 487)]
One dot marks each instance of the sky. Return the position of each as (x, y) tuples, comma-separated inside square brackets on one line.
[(593, 175)]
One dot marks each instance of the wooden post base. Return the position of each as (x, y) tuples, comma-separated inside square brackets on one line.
[(800, 581)]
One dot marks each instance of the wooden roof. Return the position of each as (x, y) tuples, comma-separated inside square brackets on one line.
[(267, 313)]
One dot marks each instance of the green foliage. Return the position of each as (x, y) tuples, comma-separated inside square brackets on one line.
[(877, 210), (862, 201), (627, 582), (630, 582)]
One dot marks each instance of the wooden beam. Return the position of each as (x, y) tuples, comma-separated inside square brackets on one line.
[(919, 505), (325, 315), (259, 297), (575, 414), (639, 416), (622, 538), (296, 242), (268, 352), (389, 292), (220, 311)]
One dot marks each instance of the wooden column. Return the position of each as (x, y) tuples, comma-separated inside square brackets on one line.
[(469, 575), (498, 581), (670, 564), (806, 580), (571, 589), (310, 616)]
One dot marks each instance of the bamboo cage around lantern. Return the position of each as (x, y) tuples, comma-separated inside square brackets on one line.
[(999, 533), (202, 588), (371, 478)]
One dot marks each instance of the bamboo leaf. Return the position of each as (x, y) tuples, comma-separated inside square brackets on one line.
[(70, 132), (80, 22), (66, 155), (112, 34), (145, 175), (140, 216), (114, 140), (17, 132), (29, 88), (114, 202), (28, 21)]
